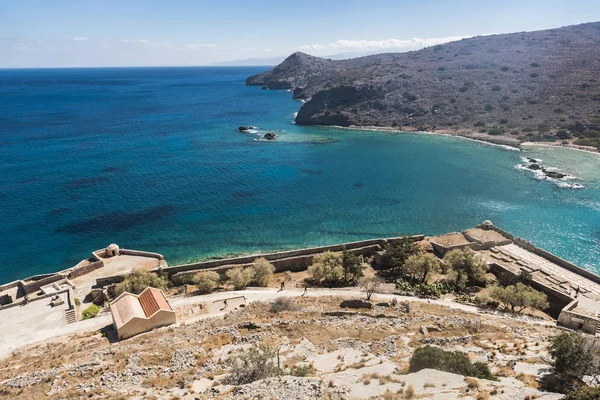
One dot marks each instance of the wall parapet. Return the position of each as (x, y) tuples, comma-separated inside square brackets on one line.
[(279, 256)]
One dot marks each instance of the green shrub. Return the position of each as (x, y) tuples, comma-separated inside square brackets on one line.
[(398, 252), (496, 88), (455, 362), (240, 277), (263, 272), (488, 107), (479, 123), (576, 355), (77, 302), (206, 281), (421, 265), (409, 96), (504, 121), (495, 132), (327, 267), (90, 312)]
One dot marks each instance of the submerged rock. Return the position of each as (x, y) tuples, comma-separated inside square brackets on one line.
[(244, 128), (554, 174), (270, 136), (534, 167)]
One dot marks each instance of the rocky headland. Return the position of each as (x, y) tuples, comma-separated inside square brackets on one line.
[(526, 86)]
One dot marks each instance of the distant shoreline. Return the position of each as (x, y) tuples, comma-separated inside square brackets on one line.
[(494, 141)]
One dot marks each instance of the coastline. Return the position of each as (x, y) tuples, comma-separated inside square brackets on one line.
[(501, 141)]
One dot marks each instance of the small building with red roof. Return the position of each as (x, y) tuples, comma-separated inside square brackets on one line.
[(134, 314)]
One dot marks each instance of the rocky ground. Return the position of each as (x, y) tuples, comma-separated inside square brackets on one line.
[(525, 86), (346, 354)]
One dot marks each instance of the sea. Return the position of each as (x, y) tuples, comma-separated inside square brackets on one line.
[(152, 159)]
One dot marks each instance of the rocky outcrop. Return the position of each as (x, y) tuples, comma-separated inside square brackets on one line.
[(527, 85)]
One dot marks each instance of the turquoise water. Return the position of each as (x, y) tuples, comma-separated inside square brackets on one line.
[(150, 158)]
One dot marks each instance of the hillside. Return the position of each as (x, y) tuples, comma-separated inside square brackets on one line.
[(525, 86), (324, 352)]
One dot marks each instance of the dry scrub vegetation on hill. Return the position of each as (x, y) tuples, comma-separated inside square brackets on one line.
[(315, 350), (541, 85)]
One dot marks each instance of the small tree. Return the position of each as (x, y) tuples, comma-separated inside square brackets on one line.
[(468, 267), (370, 285), (327, 267), (138, 280), (263, 272), (398, 252), (519, 296), (421, 265), (353, 267), (576, 356), (283, 304), (240, 277), (206, 281)]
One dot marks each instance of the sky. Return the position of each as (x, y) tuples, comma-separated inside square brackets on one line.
[(63, 33)]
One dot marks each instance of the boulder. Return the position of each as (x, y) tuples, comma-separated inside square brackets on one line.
[(554, 174), (534, 166), (270, 136), (356, 303), (244, 128)]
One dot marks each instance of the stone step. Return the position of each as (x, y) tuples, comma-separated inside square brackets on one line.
[(70, 316)]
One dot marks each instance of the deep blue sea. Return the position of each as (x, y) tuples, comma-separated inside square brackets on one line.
[(151, 159)]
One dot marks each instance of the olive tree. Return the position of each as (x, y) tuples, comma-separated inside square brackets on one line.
[(576, 355), (206, 281), (327, 267), (138, 280), (519, 296), (240, 277), (420, 266), (467, 267), (263, 272), (352, 265)]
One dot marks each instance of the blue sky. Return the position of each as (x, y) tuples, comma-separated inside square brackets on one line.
[(132, 33)]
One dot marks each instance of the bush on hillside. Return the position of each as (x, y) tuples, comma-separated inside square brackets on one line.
[(240, 277), (576, 355), (138, 280), (283, 304), (263, 272), (206, 281), (253, 365), (455, 362), (90, 312)]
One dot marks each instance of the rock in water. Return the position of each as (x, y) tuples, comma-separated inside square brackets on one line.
[(265, 87), (270, 136), (244, 128), (534, 167)]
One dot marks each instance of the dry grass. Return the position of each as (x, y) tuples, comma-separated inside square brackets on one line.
[(528, 380)]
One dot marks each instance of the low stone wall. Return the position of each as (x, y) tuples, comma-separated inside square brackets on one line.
[(544, 254), (9, 285), (294, 257), (32, 287), (293, 264), (109, 280), (141, 253), (80, 269)]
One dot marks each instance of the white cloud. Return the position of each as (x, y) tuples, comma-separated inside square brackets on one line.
[(142, 41), (200, 46), (79, 38), (381, 44)]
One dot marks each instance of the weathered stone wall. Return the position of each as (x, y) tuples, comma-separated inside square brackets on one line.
[(9, 285), (284, 260), (294, 264), (35, 285), (109, 280), (141, 253), (82, 269)]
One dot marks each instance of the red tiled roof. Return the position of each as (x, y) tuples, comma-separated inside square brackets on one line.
[(153, 300)]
